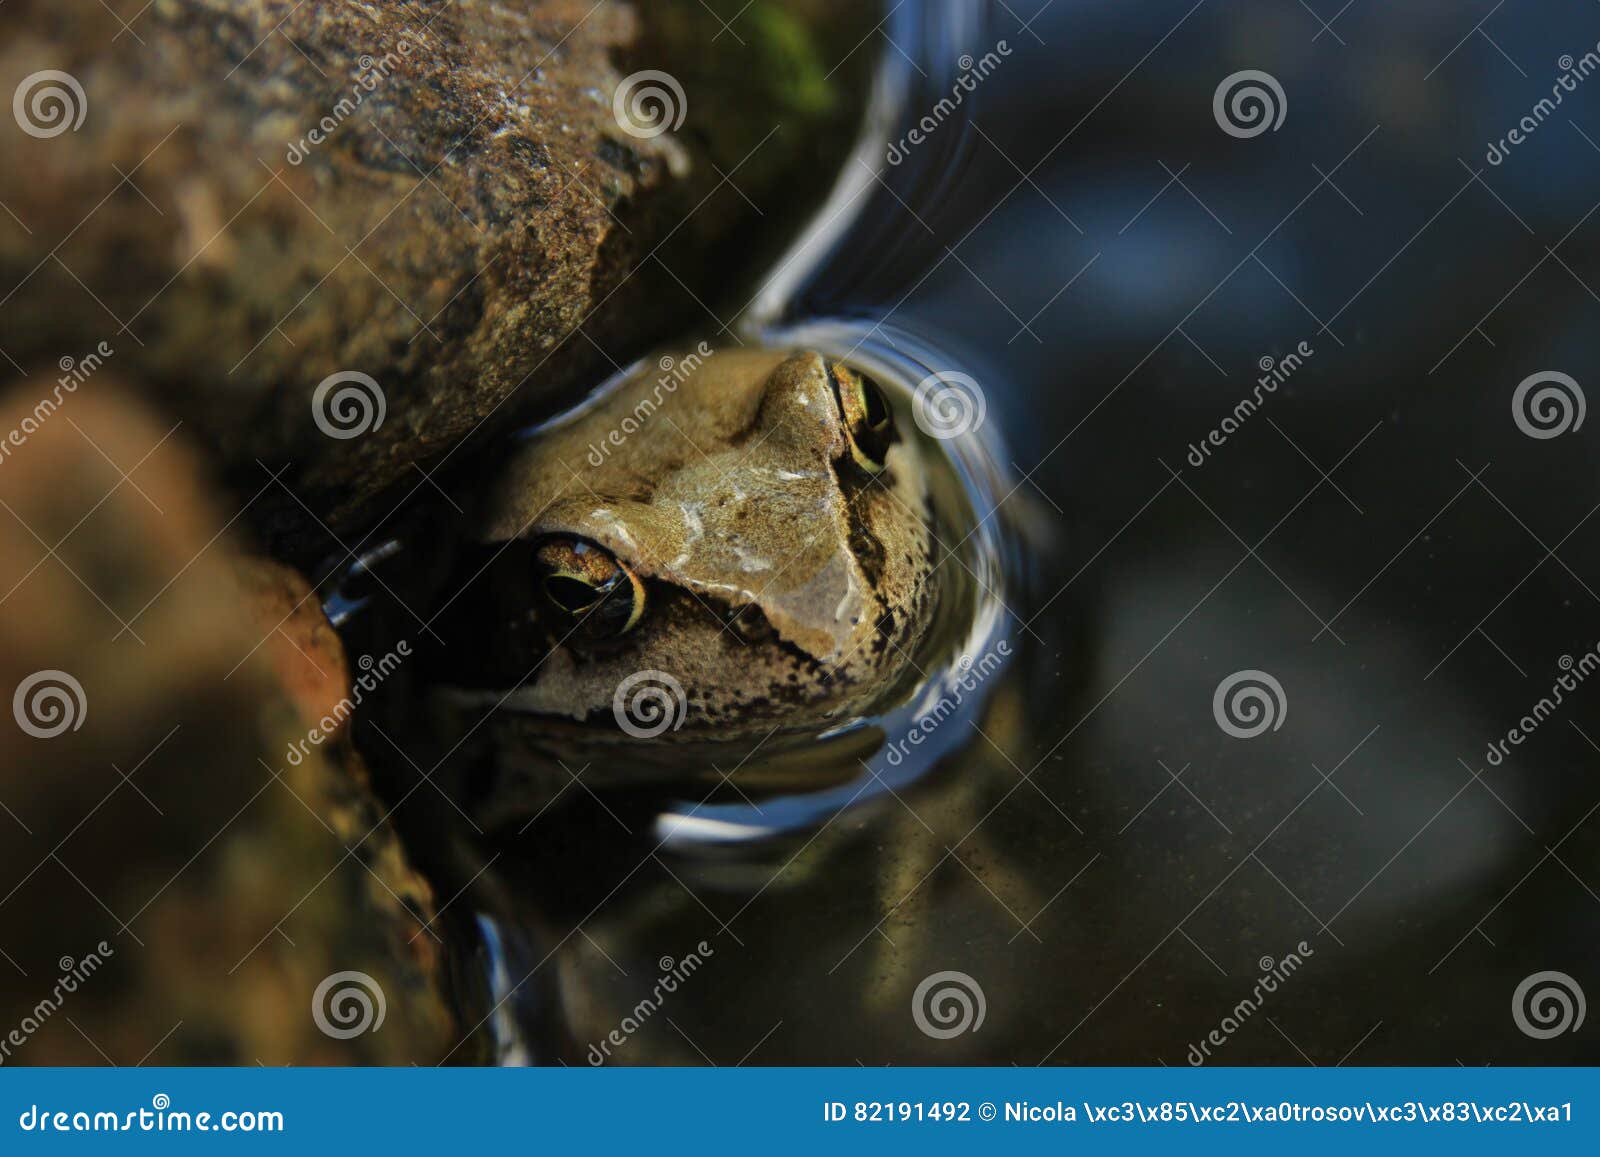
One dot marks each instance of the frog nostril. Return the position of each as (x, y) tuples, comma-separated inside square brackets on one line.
[(750, 624)]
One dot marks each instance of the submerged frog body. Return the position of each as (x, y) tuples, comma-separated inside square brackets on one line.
[(744, 535)]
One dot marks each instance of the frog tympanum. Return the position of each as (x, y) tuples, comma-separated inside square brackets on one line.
[(753, 525)]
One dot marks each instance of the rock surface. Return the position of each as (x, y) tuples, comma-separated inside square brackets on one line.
[(163, 852), (436, 194)]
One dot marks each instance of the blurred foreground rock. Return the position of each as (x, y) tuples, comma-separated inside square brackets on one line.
[(176, 886)]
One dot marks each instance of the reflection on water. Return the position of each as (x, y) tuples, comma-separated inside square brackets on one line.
[(1110, 871)]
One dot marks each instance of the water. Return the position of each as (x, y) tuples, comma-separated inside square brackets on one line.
[(1081, 839)]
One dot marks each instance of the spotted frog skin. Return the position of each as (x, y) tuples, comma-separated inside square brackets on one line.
[(754, 524)]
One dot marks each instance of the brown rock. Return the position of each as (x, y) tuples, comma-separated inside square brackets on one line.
[(173, 886), (264, 193), (302, 646)]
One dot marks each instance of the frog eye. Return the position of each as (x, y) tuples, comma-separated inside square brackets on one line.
[(587, 583), (868, 421)]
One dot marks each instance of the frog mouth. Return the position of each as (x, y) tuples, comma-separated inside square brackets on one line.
[(662, 710)]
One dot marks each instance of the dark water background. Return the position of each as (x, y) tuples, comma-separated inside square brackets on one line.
[(1112, 869)]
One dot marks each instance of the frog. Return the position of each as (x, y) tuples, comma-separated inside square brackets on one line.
[(720, 544)]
